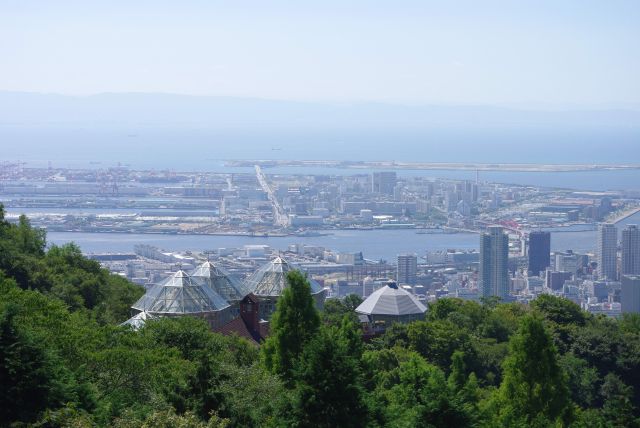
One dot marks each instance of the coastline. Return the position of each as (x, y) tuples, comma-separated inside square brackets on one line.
[(625, 215)]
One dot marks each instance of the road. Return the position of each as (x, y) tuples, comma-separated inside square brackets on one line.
[(280, 218)]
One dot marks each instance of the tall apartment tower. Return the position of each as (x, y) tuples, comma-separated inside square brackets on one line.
[(539, 252), (608, 251), (630, 294), (631, 250), (384, 182), (407, 269), (493, 277)]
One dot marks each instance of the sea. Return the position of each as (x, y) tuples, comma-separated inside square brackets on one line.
[(194, 149), (374, 244)]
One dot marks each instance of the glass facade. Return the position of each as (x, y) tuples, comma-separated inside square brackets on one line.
[(180, 294), (221, 282), (271, 279)]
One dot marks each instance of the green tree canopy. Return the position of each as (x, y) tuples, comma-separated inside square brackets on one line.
[(294, 322), (328, 390), (534, 387)]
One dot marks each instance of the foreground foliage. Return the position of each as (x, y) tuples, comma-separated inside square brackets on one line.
[(65, 361)]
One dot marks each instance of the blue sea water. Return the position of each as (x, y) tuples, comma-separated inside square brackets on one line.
[(375, 244), (192, 149)]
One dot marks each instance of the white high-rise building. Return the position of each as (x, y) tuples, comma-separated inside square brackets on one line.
[(607, 251), (630, 250), (493, 277), (407, 269)]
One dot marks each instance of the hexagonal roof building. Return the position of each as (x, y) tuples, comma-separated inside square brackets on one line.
[(180, 294), (220, 281), (391, 301), (271, 279)]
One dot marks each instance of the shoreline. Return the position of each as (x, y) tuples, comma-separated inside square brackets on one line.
[(625, 215)]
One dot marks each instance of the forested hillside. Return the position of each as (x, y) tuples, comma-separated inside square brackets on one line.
[(65, 361)]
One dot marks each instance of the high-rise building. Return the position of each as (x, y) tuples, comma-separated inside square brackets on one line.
[(605, 207), (407, 269), (630, 293), (384, 182), (555, 280), (451, 201), (608, 251), (539, 252), (494, 263), (630, 250), (568, 261)]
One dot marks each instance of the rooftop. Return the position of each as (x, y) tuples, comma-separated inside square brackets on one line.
[(180, 294), (391, 300), (271, 279)]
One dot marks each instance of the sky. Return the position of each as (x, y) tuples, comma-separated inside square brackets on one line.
[(531, 54)]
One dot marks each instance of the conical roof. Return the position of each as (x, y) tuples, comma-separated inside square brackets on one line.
[(220, 281), (391, 300), (180, 294), (271, 279), (137, 321)]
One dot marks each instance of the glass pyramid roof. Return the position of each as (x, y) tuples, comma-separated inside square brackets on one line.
[(137, 321), (220, 281), (180, 294), (271, 279)]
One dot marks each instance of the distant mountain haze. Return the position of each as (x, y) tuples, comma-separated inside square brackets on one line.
[(113, 109)]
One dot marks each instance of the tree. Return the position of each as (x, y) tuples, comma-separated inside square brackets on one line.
[(469, 312), (294, 322), (422, 397), (582, 380), (352, 301), (618, 408), (457, 376), (31, 376), (30, 240), (328, 391), (169, 419), (559, 310), (438, 340), (534, 387), (351, 332), (335, 309), (630, 323)]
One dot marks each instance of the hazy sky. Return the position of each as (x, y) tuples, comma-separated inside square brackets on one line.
[(559, 53)]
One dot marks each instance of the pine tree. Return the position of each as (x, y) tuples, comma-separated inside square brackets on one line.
[(534, 388), (328, 390), (294, 322)]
